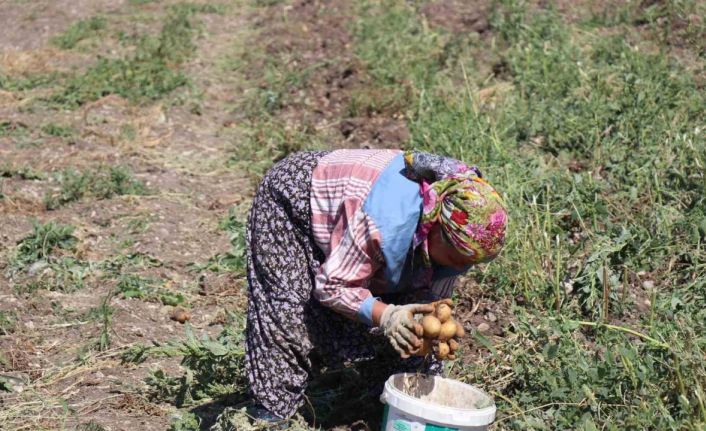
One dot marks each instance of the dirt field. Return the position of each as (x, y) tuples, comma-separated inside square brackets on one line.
[(133, 134)]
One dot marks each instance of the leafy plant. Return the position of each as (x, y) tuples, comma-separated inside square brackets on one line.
[(45, 239), (7, 322), (597, 148), (103, 314), (79, 31), (214, 367), (134, 286), (151, 72), (234, 260), (102, 183), (25, 173), (58, 130)]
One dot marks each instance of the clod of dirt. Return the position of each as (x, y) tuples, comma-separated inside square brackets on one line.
[(483, 327), (180, 315), (458, 16)]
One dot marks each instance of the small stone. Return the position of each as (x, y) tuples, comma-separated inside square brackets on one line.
[(37, 267), (647, 303), (483, 327), (491, 317), (648, 284), (568, 286)]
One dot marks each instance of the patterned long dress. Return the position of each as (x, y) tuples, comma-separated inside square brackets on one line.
[(290, 334)]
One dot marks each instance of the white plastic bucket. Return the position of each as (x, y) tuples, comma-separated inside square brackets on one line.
[(430, 403)]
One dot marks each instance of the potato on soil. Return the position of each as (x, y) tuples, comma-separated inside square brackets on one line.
[(453, 345), (447, 330), (431, 326), (180, 315)]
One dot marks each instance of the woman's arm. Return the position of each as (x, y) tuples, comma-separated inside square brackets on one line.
[(343, 279)]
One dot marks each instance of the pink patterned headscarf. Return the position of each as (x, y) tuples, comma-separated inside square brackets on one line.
[(469, 210)]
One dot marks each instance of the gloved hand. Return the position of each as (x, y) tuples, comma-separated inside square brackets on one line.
[(397, 323)]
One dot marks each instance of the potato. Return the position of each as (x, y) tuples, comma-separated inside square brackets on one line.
[(431, 326), (447, 330), (442, 350), (453, 345), (180, 315), (451, 356), (460, 332), (446, 301), (443, 312)]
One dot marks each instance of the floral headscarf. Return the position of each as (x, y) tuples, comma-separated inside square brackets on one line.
[(471, 213)]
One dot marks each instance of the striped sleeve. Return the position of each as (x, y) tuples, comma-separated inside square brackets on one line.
[(343, 279), (348, 237)]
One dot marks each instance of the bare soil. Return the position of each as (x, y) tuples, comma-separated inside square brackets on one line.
[(179, 156)]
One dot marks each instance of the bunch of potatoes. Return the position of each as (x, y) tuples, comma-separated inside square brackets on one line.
[(439, 332)]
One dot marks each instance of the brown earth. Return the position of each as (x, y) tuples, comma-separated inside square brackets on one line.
[(179, 156), (314, 36)]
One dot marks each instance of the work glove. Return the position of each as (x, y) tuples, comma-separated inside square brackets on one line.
[(397, 323)]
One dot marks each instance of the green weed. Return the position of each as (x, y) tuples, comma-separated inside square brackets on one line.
[(25, 83), (79, 31), (214, 367), (58, 130), (44, 257), (598, 148), (269, 141), (139, 224), (400, 53), (187, 421), (148, 74), (8, 320), (25, 173), (134, 286), (102, 183), (117, 266), (103, 314), (234, 260), (6, 384), (194, 8), (45, 240), (65, 274), (13, 129)]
